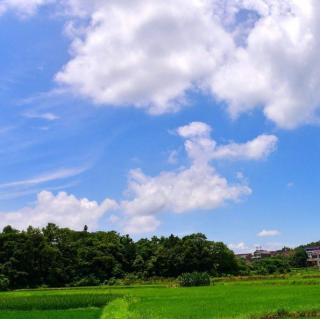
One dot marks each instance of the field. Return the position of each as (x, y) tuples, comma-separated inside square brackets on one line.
[(295, 296)]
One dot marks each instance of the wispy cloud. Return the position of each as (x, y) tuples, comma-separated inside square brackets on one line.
[(290, 184), (59, 174), (6, 129), (11, 194), (41, 97), (48, 116)]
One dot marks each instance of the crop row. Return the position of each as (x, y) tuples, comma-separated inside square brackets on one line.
[(53, 302)]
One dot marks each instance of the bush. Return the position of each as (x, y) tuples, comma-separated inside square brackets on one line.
[(4, 283), (111, 282), (194, 279), (269, 266), (87, 282)]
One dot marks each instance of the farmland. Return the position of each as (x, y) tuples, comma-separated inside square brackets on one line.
[(227, 298)]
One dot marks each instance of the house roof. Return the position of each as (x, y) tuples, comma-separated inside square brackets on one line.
[(312, 248)]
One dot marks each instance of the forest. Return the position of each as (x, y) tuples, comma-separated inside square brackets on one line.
[(60, 257)]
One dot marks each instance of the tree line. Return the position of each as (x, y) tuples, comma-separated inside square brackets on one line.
[(58, 257)]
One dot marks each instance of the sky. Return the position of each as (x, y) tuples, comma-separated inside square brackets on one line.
[(152, 118)]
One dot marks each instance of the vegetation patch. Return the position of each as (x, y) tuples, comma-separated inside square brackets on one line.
[(194, 279), (285, 314), (117, 309), (90, 313), (54, 301), (226, 299)]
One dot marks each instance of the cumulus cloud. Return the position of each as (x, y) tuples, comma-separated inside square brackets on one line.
[(194, 129), (258, 148), (279, 65), (249, 53), (145, 54), (63, 209), (197, 187), (269, 233), (141, 224), (201, 147)]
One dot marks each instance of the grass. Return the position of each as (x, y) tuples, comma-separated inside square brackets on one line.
[(294, 296), (90, 313), (117, 309), (225, 301), (47, 301)]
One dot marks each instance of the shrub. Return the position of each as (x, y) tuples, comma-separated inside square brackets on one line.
[(194, 279), (111, 282), (87, 282), (273, 265), (4, 283)]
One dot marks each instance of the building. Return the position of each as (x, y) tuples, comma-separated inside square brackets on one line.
[(313, 256), (261, 253)]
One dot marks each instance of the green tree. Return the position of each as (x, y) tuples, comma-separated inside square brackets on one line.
[(299, 258)]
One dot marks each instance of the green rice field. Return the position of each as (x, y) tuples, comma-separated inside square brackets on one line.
[(285, 297)]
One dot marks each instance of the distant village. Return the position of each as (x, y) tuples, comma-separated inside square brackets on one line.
[(313, 254)]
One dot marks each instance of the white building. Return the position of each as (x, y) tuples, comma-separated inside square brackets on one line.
[(313, 256)]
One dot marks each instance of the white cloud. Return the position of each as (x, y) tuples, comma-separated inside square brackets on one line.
[(241, 248), (63, 209), (22, 7), (269, 233), (141, 224), (258, 148), (145, 54), (43, 116), (279, 64), (249, 53), (194, 129), (197, 187), (201, 147), (150, 59), (35, 184), (46, 177)]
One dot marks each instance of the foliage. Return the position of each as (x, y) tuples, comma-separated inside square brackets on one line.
[(299, 259), (272, 265), (87, 282), (194, 279), (60, 257), (4, 283)]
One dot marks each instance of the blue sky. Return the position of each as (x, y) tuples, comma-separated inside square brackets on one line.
[(121, 121)]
